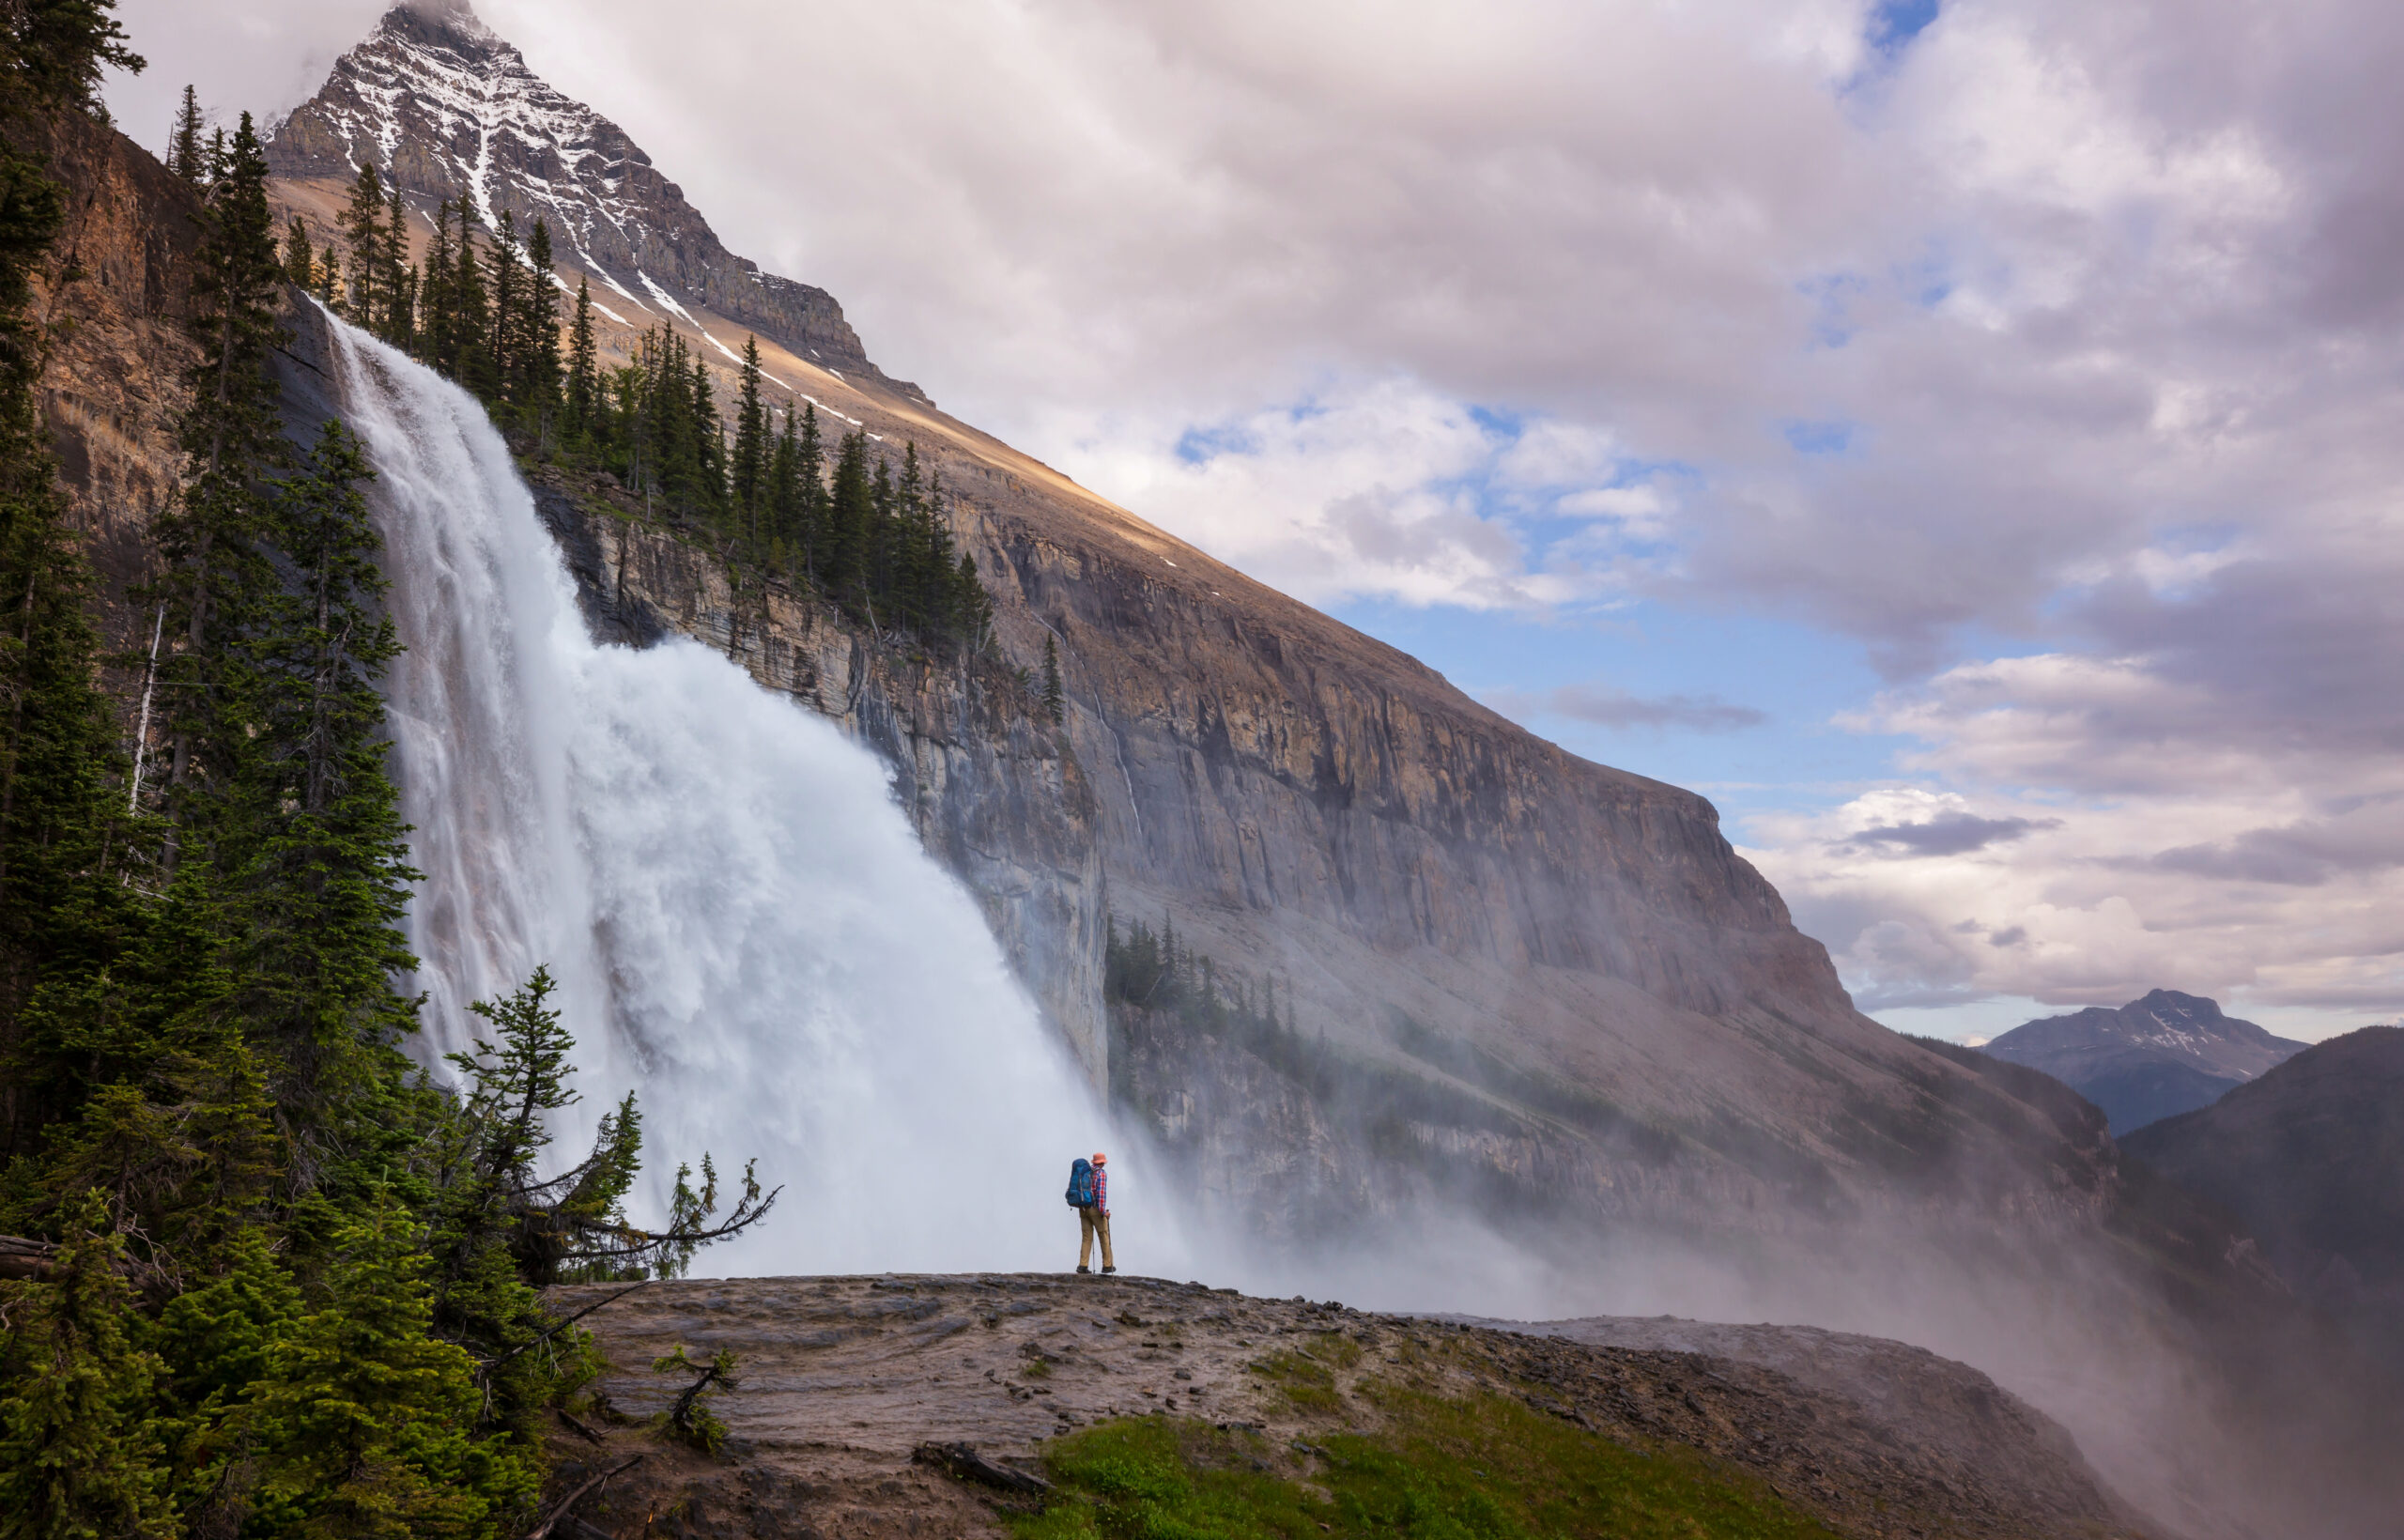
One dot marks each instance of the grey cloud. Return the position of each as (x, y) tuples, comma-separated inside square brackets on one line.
[(2300, 856), (1950, 834), (1606, 705), (2070, 271), (2011, 936)]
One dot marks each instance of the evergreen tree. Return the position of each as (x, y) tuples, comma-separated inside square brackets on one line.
[(299, 257), (437, 329), (781, 518), (362, 223), (397, 321), (79, 1452), (751, 451), (810, 478), (507, 336), (232, 443), (497, 1203), (583, 370), (364, 1425), (850, 510), (473, 363), (1055, 700), (55, 50), (321, 868), (184, 154), (538, 350)]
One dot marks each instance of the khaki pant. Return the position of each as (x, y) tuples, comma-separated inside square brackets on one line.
[(1092, 1222)]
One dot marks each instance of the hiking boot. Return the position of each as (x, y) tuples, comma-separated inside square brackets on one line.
[(1081, 1268), (1105, 1269)]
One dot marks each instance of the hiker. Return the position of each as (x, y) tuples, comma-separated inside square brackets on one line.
[(1089, 1195)]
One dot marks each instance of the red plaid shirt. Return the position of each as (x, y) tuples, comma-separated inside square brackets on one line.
[(1102, 1192)]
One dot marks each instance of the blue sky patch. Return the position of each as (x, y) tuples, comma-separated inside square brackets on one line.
[(1893, 23), (1830, 438)]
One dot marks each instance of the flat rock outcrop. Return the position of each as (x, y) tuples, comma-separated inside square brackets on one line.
[(843, 1379)]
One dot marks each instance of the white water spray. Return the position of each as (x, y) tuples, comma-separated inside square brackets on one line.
[(744, 926)]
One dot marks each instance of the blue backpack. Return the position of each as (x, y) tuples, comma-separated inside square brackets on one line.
[(1081, 1183)]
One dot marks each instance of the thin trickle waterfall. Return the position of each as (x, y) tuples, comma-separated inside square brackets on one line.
[(745, 929)]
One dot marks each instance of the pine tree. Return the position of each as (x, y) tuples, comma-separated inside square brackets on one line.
[(473, 364), (509, 289), (849, 513), (782, 518), (583, 371), (79, 1454), (362, 223), (538, 347), (397, 322), (750, 444), (364, 1425), (319, 870), (972, 607), (55, 49), (1055, 701), (184, 154), (232, 442), (299, 257)]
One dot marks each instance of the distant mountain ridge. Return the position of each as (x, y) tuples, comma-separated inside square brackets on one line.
[(2151, 1058), (444, 107), (2311, 1157)]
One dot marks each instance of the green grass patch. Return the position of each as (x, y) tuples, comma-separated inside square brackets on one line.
[(1306, 1382), (1483, 1469)]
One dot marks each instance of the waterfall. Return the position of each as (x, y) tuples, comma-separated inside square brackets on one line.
[(744, 928)]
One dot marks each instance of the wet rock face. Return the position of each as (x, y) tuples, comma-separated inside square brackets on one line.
[(843, 1379)]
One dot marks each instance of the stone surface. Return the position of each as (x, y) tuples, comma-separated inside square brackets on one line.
[(843, 1378)]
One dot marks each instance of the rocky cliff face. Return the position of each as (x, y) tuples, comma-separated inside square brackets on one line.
[(110, 303)]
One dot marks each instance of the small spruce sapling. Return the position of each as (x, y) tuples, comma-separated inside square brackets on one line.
[(689, 1418)]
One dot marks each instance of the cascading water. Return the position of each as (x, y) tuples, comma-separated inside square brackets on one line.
[(745, 929)]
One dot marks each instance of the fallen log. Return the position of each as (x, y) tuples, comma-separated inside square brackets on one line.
[(963, 1461)]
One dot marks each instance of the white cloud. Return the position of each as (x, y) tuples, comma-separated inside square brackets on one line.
[(2074, 325)]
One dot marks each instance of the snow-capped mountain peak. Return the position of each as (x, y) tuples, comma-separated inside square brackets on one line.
[(444, 107)]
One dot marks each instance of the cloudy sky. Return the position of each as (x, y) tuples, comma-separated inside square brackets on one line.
[(1964, 438)]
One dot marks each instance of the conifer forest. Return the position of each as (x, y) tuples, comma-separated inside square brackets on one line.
[(484, 310), (260, 1274)]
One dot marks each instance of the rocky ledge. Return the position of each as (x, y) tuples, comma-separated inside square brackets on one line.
[(922, 1405)]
